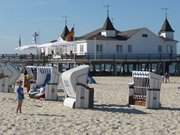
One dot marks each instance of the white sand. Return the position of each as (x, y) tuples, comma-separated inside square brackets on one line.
[(111, 116)]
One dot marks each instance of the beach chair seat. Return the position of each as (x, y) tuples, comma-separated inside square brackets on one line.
[(79, 95), (8, 76), (46, 78), (37, 90), (145, 89)]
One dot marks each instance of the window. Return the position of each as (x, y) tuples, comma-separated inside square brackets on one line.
[(160, 49), (81, 48), (129, 48), (119, 48), (99, 48), (171, 50), (145, 35)]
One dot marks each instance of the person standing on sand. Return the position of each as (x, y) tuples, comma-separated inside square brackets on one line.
[(166, 77), (26, 80), (19, 96)]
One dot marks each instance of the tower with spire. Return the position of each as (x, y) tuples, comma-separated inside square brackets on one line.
[(108, 29), (65, 32), (166, 31)]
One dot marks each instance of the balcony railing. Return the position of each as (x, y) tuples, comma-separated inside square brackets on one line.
[(90, 56), (130, 56)]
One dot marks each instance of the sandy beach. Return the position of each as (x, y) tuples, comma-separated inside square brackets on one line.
[(110, 116)]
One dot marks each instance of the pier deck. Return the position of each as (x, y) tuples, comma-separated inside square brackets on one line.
[(118, 65)]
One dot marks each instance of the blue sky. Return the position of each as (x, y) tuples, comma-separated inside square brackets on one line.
[(23, 17)]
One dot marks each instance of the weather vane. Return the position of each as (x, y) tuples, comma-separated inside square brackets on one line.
[(65, 19), (166, 11), (20, 41), (107, 8)]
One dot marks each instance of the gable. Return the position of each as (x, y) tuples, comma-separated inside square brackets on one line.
[(148, 34)]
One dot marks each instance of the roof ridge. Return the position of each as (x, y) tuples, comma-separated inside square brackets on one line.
[(134, 29)]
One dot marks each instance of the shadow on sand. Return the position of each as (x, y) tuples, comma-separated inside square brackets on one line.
[(117, 108), (170, 109), (44, 114)]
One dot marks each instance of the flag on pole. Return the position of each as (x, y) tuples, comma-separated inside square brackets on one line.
[(70, 35)]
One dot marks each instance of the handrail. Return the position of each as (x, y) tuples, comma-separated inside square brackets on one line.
[(89, 57)]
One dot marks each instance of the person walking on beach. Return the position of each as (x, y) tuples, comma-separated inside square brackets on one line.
[(167, 76), (19, 96)]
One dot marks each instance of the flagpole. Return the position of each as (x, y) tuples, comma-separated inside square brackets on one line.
[(74, 45), (35, 35), (95, 42)]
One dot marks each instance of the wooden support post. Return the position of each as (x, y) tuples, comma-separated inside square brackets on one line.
[(138, 66), (134, 66), (148, 68), (127, 68), (157, 68), (60, 67), (104, 67), (94, 68), (163, 65), (145, 67), (69, 65), (123, 66), (151, 67), (100, 68), (114, 69), (167, 67), (110, 69), (120, 69)]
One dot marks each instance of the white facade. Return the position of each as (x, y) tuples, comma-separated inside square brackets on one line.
[(135, 45), (81, 48), (107, 41), (169, 35)]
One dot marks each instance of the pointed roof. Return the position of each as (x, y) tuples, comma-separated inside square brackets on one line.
[(72, 29), (108, 24), (166, 27), (65, 32)]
